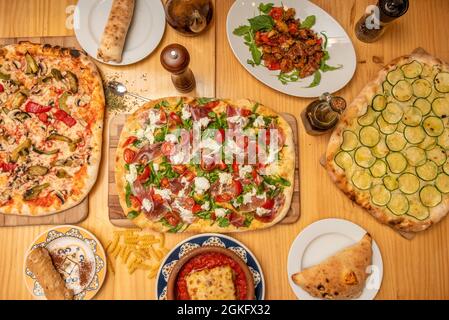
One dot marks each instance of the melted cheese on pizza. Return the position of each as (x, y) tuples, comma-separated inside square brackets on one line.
[(211, 284)]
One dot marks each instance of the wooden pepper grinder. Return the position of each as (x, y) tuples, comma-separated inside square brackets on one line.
[(176, 59)]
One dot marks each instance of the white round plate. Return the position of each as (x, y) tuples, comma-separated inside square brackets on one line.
[(340, 48), (323, 239), (144, 34), (214, 240)]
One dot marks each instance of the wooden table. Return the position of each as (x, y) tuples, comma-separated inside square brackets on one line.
[(417, 269)]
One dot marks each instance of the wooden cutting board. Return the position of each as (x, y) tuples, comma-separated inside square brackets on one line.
[(116, 215), (75, 214)]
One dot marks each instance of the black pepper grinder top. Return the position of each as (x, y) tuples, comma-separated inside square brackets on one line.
[(176, 59)]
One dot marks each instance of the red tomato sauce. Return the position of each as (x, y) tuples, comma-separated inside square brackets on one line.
[(210, 261)]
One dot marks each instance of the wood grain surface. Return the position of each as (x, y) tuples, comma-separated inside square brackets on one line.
[(417, 269), (118, 218)]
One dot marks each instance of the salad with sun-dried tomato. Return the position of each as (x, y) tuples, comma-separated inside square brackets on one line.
[(282, 42)]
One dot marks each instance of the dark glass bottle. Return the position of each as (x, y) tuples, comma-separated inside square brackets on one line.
[(322, 115), (372, 26), (189, 17)]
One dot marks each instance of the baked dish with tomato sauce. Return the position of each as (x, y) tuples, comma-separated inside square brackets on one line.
[(210, 273)]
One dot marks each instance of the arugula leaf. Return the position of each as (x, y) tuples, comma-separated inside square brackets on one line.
[(132, 215), (326, 40), (309, 22), (289, 77), (242, 30), (316, 79), (276, 180), (168, 225), (203, 101), (128, 195), (248, 220), (325, 67), (255, 52), (262, 22), (266, 8), (255, 107), (223, 222)]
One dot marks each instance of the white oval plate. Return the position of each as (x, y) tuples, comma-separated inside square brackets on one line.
[(321, 240), (340, 48), (144, 35)]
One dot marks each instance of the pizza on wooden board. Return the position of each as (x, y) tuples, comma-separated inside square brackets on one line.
[(51, 119), (389, 153), (161, 187)]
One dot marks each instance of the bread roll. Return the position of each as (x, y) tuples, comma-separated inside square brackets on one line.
[(114, 35)]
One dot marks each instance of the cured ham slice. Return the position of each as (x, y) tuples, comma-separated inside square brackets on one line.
[(149, 152)]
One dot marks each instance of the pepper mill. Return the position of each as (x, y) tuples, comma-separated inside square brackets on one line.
[(176, 59)]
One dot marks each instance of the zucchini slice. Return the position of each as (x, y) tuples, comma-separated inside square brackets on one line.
[(396, 141), (428, 171), (392, 113), (440, 106), (391, 183), (396, 162), (395, 76), (443, 140), (398, 204), (428, 143), (378, 169), (380, 195), (437, 155), (415, 135), (409, 183), (412, 117), (368, 118), (364, 157), (362, 180), (369, 136), (424, 105), (386, 86), (422, 88), (430, 196), (381, 150), (385, 127), (441, 82), (415, 156), (418, 211), (379, 102), (412, 69), (343, 160), (402, 91), (350, 141), (426, 70), (401, 127), (433, 126), (446, 167), (442, 183)]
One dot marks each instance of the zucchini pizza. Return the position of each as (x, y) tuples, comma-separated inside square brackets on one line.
[(51, 120), (389, 152), (163, 186)]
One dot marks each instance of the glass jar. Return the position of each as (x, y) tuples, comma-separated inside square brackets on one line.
[(189, 17)]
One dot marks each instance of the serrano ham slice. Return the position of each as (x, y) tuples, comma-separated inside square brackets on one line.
[(149, 152)]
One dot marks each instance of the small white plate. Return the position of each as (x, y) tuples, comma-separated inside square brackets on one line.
[(340, 47), (323, 239), (144, 35)]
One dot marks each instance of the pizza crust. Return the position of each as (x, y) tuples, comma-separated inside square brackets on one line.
[(286, 166), (404, 224), (97, 105)]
